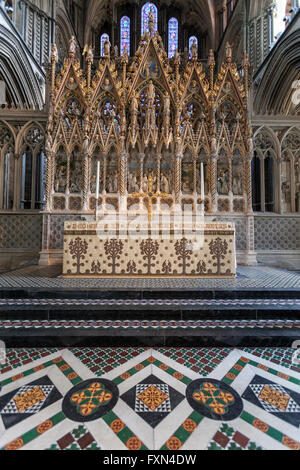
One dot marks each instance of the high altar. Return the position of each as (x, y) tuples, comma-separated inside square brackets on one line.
[(148, 135)]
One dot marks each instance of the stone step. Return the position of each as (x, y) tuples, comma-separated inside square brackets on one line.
[(136, 328), (188, 293), (161, 304)]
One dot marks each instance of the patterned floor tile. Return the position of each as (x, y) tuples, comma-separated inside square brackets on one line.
[(28, 400), (200, 360), (228, 438), (260, 277), (279, 356), (275, 399), (152, 399), (159, 398), (21, 357), (78, 439)]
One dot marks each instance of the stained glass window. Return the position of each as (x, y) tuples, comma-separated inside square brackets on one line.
[(191, 40), (145, 13), (173, 36), (125, 34), (104, 37)]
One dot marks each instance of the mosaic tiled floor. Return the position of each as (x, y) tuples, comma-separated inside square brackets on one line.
[(260, 277), (143, 398)]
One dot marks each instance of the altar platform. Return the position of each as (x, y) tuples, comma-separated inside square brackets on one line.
[(261, 306), (202, 251)]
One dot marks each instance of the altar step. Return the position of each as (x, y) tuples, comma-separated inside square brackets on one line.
[(167, 316), (149, 328), (148, 309)]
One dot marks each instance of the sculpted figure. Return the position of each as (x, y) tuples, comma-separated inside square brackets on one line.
[(48, 144), (164, 184), (194, 50), (90, 54), (145, 184), (125, 55), (177, 57), (134, 107), (228, 51), (106, 48), (54, 52), (151, 22), (72, 46), (151, 94)]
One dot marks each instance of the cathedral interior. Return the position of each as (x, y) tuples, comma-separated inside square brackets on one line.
[(137, 107)]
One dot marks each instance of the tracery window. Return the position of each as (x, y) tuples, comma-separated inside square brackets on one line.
[(33, 169), (173, 36), (191, 41), (104, 38), (145, 16), (125, 34), (7, 168)]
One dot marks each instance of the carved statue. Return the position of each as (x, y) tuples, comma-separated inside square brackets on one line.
[(164, 184), (85, 146), (106, 48), (90, 54), (151, 21), (223, 182), (228, 51), (167, 104), (48, 144), (177, 57), (145, 184), (134, 107), (125, 55), (194, 50), (116, 51), (61, 179), (72, 46), (133, 186), (151, 95), (54, 52)]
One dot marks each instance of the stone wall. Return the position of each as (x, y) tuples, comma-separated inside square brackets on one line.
[(20, 239)]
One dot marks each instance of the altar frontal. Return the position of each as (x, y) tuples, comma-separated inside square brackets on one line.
[(207, 251)]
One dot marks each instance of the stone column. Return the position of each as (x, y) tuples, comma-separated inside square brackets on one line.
[(17, 183), (213, 182), (248, 184), (49, 179), (177, 178), (123, 159), (158, 173), (194, 175), (142, 157), (104, 161), (85, 188), (293, 184), (230, 192)]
